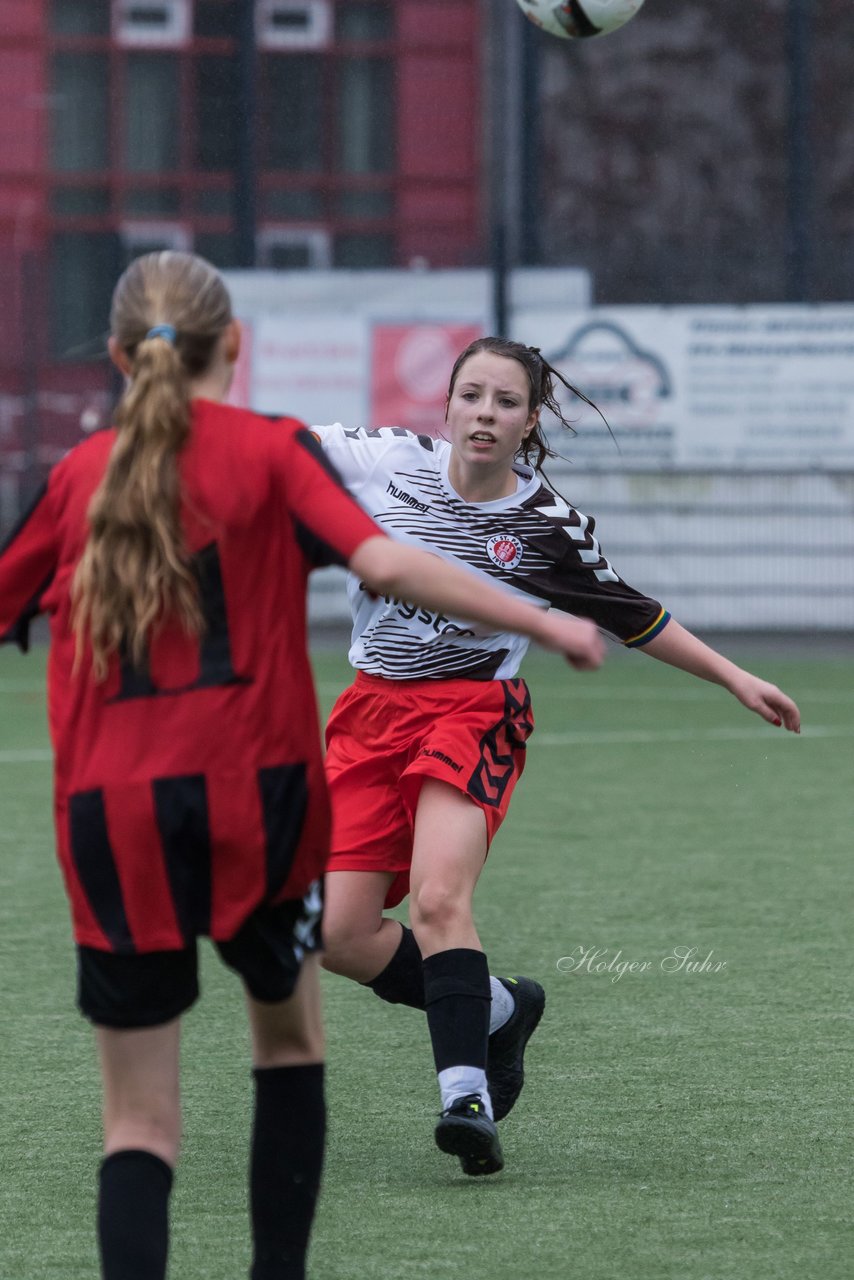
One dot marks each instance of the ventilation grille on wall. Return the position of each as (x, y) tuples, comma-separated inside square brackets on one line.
[(151, 22), (294, 248), (293, 24)]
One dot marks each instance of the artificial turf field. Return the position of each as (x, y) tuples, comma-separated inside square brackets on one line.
[(675, 1125)]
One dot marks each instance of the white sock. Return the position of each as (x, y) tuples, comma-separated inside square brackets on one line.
[(459, 1082), (502, 1007)]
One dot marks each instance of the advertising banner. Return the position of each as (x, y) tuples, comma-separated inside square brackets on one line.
[(743, 388), (410, 368), (310, 367)]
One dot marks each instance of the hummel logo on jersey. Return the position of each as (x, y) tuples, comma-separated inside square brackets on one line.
[(403, 496), (504, 550), (440, 755)]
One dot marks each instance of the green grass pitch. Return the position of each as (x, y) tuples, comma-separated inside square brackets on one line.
[(675, 1125)]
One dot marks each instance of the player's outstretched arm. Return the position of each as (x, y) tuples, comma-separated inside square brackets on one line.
[(680, 648), (392, 568)]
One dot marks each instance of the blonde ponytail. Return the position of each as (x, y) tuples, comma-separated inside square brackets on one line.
[(135, 570)]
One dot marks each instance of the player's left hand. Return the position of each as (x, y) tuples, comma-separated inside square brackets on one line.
[(768, 701)]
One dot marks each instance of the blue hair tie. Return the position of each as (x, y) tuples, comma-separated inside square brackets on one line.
[(163, 331)]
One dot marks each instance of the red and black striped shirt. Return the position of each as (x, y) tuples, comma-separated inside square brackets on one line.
[(190, 791)]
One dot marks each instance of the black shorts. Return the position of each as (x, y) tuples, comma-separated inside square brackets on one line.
[(150, 988)]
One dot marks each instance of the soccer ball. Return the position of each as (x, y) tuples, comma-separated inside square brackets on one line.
[(579, 18)]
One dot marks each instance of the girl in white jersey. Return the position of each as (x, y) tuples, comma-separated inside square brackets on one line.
[(424, 749)]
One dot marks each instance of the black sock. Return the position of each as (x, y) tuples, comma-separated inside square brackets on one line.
[(133, 1215), (285, 1165), (402, 980), (457, 995)]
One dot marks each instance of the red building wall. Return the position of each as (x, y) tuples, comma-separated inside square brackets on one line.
[(436, 208), (23, 161), (439, 154)]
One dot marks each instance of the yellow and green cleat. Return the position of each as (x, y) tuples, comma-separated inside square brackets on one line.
[(466, 1131)]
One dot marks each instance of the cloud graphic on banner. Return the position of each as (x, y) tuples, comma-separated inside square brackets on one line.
[(627, 382)]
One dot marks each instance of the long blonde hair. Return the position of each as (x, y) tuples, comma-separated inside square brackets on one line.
[(135, 570)]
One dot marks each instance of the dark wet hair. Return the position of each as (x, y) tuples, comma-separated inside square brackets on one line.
[(535, 448)]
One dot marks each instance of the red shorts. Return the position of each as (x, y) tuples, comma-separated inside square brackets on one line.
[(385, 736)]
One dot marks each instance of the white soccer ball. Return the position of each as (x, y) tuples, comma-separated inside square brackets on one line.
[(578, 19)]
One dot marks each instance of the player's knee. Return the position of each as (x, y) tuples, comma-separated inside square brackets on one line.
[(434, 909), (335, 960), (346, 957), (286, 1035), (294, 1046), (344, 940)]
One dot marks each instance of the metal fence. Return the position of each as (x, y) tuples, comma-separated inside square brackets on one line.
[(768, 551), (721, 549)]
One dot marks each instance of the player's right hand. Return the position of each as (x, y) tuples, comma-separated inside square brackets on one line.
[(576, 638)]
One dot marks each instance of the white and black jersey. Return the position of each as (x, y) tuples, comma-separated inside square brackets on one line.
[(531, 542)]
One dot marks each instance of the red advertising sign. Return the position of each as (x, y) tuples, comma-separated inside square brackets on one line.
[(410, 368)]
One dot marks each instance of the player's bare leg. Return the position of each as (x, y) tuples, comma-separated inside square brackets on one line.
[(142, 1130), (448, 853), (139, 1068), (289, 1033), (358, 941)]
